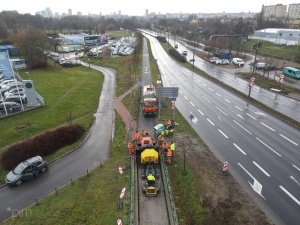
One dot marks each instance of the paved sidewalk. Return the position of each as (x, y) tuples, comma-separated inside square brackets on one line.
[(130, 123)]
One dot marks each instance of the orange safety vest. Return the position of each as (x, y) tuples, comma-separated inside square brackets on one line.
[(165, 145), (137, 136), (169, 153), (130, 145), (161, 138)]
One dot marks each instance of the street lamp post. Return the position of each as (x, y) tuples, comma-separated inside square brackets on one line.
[(89, 63), (194, 47), (28, 75)]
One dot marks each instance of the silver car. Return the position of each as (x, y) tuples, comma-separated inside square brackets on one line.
[(27, 170)]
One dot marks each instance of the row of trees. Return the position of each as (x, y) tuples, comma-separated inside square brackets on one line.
[(30, 33)]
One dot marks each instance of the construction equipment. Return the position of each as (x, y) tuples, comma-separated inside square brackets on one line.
[(147, 142), (149, 101), (164, 129), (149, 160)]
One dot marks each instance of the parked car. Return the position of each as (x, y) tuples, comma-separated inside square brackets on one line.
[(11, 86), (260, 66), (10, 107), (17, 98), (5, 82), (14, 91), (213, 59), (268, 67), (238, 61), (26, 171), (222, 61)]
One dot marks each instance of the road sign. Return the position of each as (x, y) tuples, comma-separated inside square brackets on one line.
[(252, 79), (169, 92), (159, 105), (170, 99), (281, 76)]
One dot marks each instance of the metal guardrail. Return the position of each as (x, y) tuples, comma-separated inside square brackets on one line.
[(168, 191)]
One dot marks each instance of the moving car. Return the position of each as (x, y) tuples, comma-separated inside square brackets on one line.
[(26, 171), (291, 72)]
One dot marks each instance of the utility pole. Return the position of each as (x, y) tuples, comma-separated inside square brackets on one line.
[(254, 64)]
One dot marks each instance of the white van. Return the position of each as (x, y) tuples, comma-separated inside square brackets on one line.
[(238, 61)]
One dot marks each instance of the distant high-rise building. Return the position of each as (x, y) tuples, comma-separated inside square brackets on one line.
[(146, 12), (70, 12), (79, 13), (48, 12), (275, 11), (294, 11)]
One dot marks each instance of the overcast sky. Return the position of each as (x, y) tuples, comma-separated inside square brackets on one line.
[(138, 7)]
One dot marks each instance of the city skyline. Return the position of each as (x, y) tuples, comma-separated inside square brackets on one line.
[(131, 8)]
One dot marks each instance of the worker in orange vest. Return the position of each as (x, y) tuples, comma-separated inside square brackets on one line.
[(165, 147), (130, 148), (137, 137), (161, 140), (168, 123), (169, 155), (144, 133)]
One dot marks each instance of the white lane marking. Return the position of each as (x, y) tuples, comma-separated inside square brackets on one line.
[(240, 116), (204, 85), (296, 167), (268, 146), (218, 94), (220, 118), (251, 116), (195, 120), (210, 121), (200, 112), (250, 109), (210, 89), (267, 126), (294, 180), (259, 167), (290, 195), (227, 100), (199, 81), (288, 139), (185, 97), (206, 99), (235, 145), (198, 92), (222, 133), (221, 111), (257, 187), (242, 127), (238, 108), (180, 92), (192, 104)]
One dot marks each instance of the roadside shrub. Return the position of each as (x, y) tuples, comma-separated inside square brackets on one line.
[(174, 53), (43, 145)]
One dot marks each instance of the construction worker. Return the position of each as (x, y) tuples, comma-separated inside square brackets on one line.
[(161, 140), (144, 133), (150, 179), (168, 123), (165, 147), (130, 148), (169, 155), (172, 147), (137, 137)]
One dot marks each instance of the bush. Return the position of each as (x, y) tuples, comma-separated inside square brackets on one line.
[(175, 54), (42, 145)]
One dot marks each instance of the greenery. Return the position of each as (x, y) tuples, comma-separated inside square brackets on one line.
[(67, 92), (91, 199)]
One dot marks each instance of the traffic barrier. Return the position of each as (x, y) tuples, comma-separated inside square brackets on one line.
[(120, 170), (122, 192), (119, 222)]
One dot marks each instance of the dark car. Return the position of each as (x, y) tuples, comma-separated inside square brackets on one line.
[(10, 107), (268, 67), (27, 170)]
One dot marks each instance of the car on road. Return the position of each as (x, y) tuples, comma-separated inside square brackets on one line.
[(26, 171), (184, 52)]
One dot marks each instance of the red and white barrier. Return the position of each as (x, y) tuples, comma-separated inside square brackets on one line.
[(122, 192), (121, 170), (119, 222), (225, 166)]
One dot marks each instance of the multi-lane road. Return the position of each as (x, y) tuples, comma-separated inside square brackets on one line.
[(262, 151)]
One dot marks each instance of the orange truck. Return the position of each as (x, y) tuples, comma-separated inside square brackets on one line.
[(149, 101)]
